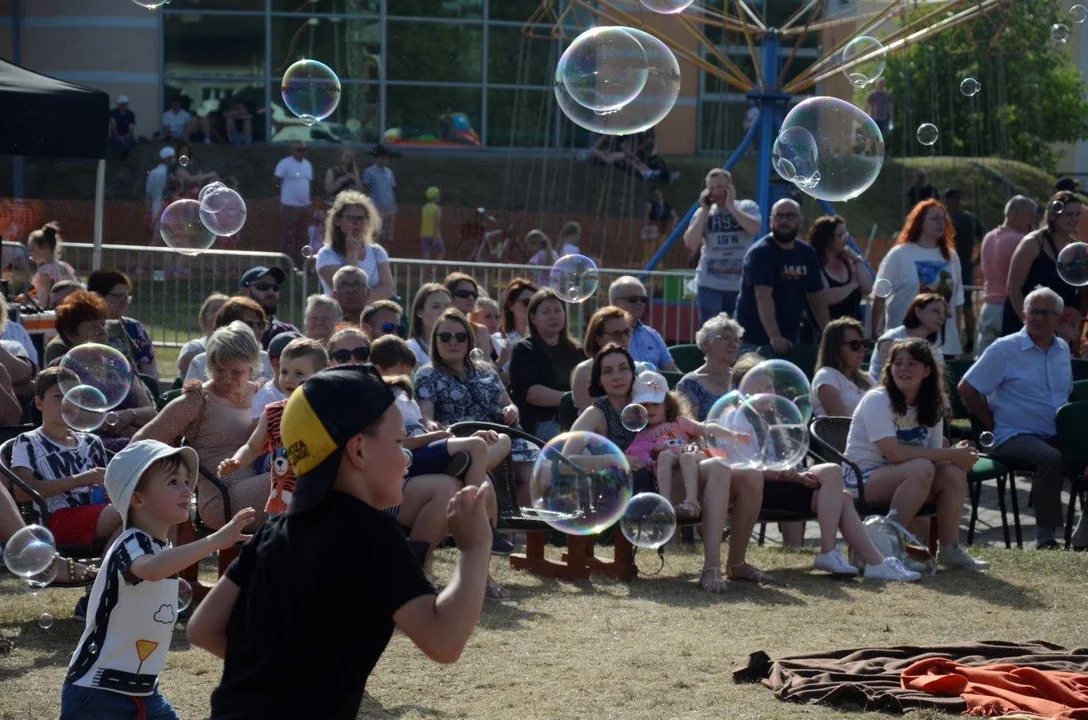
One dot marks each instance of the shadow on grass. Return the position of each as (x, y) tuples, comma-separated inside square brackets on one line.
[(373, 710), (50, 647), (986, 587)]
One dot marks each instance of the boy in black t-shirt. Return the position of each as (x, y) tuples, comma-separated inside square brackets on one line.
[(306, 610)]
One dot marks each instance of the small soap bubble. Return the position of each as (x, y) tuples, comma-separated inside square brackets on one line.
[(151, 4), (867, 72), (78, 417), (634, 417), (311, 90), (649, 521), (183, 160), (30, 551), (927, 134), (185, 594), (986, 439), (1059, 32), (223, 211), (307, 251), (1057, 207), (574, 278), (37, 583), (93, 648), (100, 367), (795, 155), (667, 7), (45, 621), (970, 87), (112, 419), (1078, 14), (477, 356), (882, 288)]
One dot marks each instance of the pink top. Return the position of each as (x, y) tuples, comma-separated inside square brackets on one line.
[(997, 249), (666, 437)]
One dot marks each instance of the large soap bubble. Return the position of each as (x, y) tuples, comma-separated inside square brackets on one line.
[(1073, 264), (222, 210), (667, 7), (151, 4), (649, 521), (311, 90), (849, 147), (866, 72), (29, 551), (581, 483), (646, 110), (782, 378), (78, 417), (574, 278), (182, 230), (795, 155), (740, 450), (604, 68), (779, 431), (101, 367)]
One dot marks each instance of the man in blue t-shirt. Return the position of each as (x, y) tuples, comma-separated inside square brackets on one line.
[(780, 273), (122, 126)]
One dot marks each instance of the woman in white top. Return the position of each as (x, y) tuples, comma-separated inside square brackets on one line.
[(839, 383), (515, 320), (924, 319), (352, 224), (896, 440), (431, 300)]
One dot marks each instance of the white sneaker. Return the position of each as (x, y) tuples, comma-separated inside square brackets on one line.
[(956, 556), (834, 563), (891, 569)]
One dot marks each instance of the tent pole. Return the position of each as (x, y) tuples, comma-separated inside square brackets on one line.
[(99, 207)]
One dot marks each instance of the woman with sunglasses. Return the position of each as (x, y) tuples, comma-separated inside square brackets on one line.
[(430, 302), (515, 320), (348, 345), (352, 224), (450, 389), (719, 339), (608, 326), (541, 365), (925, 318), (115, 288), (250, 313), (464, 290), (839, 381)]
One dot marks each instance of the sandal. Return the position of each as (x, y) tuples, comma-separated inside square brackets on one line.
[(711, 581), (74, 574), (687, 510), (495, 592), (749, 573)]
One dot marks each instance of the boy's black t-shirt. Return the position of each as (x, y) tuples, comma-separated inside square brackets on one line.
[(315, 612)]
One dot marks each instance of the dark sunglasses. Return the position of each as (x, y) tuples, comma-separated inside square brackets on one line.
[(359, 354), (466, 294), (460, 337), (265, 287), (857, 345), (635, 299)]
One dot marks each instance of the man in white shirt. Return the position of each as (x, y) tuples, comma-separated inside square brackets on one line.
[(155, 186), (293, 176), (175, 121)]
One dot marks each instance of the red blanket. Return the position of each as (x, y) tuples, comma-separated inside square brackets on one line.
[(992, 690)]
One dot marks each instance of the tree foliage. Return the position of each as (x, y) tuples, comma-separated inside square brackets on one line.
[(1033, 94)]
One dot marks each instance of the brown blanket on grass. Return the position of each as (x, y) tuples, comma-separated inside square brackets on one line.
[(869, 678)]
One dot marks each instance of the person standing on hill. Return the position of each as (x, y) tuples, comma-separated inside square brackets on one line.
[(380, 184), (968, 232)]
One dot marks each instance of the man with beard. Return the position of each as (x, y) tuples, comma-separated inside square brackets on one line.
[(780, 273), (262, 285)]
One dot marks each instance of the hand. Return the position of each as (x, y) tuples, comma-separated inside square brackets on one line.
[(965, 457), (730, 195), (466, 515), (704, 198), (228, 467), (808, 479), (433, 426), (94, 476), (490, 436), (510, 414), (234, 531), (780, 344)]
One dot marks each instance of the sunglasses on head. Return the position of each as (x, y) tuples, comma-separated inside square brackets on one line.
[(359, 354), (459, 337), (265, 287), (466, 294), (856, 345)]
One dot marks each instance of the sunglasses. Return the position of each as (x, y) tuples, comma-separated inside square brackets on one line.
[(458, 337), (359, 354), (635, 299), (466, 294), (856, 345), (388, 327), (265, 287)]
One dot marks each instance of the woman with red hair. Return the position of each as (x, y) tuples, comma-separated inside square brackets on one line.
[(923, 260)]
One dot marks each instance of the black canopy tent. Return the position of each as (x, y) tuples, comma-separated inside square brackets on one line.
[(46, 117)]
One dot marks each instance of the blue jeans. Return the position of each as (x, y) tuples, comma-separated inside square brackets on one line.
[(714, 302), (82, 703), (547, 429)]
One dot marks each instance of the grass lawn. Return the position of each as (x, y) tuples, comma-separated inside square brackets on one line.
[(651, 649)]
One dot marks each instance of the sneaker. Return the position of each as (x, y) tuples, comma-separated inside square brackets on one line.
[(891, 569), (499, 544), (834, 563), (80, 613), (956, 556)]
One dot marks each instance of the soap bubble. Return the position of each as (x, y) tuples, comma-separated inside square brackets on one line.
[(1057, 207), (647, 109), (667, 7), (778, 430), (1059, 32), (882, 288), (185, 594), (1078, 14), (45, 621), (581, 483), (112, 419), (101, 367), (210, 187), (93, 648), (40, 581), (642, 366), (849, 148), (223, 211), (1073, 264), (29, 551), (151, 4), (307, 251), (738, 452), (477, 356), (603, 69), (986, 439), (649, 521), (867, 72), (634, 417), (182, 230), (574, 278), (782, 378), (795, 156), (970, 87), (928, 134), (78, 417), (310, 90), (183, 160)]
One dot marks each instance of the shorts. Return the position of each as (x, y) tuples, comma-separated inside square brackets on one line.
[(850, 477), (75, 526), (77, 702), (431, 246), (429, 459), (787, 496)]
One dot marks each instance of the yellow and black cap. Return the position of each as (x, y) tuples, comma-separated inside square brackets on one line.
[(326, 411)]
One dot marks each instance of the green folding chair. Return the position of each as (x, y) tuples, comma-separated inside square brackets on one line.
[(687, 357)]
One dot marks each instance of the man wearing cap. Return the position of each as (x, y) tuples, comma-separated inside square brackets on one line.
[(155, 185), (969, 233), (293, 175), (262, 285), (329, 580), (122, 127)]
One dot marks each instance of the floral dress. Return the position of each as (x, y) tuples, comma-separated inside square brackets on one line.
[(476, 398), (143, 350)]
